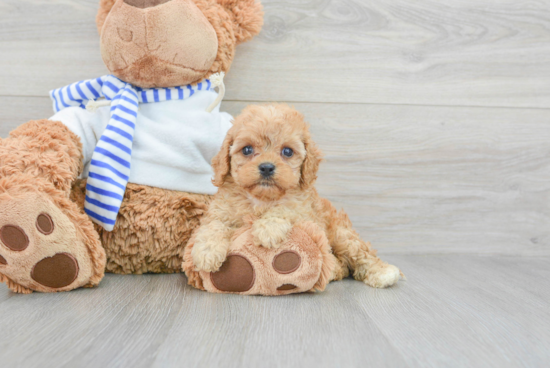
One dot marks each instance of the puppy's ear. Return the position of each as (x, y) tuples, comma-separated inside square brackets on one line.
[(310, 166), (247, 16), (221, 163), (105, 7)]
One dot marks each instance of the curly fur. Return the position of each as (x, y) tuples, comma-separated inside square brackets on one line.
[(279, 203)]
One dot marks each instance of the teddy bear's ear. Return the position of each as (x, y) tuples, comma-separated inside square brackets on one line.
[(247, 16), (105, 7)]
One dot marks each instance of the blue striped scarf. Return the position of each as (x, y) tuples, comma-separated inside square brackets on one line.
[(111, 160)]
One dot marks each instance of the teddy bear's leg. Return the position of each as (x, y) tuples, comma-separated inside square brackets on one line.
[(47, 243), (152, 228), (357, 254), (304, 262)]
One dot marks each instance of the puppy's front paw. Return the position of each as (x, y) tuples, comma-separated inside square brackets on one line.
[(208, 256), (270, 233), (383, 277)]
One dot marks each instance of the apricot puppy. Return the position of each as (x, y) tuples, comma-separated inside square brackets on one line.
[(266, 170)]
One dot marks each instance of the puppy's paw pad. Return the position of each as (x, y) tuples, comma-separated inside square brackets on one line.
[(287, 262), (236, 275)]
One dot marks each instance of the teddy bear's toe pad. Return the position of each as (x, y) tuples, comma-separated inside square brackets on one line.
[(287, 262), (236, 275), (14, 237), (286, 287)]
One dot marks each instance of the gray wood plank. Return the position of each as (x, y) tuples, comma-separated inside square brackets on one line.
[(421, 179), (119, 324), (398, 52), (458, 311), (454, 311), (5, 294), (324, 330), (469, 52)]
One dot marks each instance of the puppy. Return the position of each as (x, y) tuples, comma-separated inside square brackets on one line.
[(266, 170)]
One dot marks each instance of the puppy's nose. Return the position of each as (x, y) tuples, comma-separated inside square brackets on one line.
[(267, 169)]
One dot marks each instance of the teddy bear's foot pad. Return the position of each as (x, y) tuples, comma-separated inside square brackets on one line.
[(40, 247), (295, 267), (57, 271)]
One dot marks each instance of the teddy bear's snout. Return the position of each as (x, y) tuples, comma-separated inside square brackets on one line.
[(143, 4), (158, 43)]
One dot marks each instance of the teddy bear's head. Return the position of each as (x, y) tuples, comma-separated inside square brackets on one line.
[(169, 43)]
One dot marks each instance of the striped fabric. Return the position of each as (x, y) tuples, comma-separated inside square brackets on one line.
[(111, 161)]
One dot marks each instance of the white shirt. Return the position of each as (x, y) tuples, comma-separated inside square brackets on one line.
[(174, 141)]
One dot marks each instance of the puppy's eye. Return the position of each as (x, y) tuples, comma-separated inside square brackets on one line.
[(287, 152), (248, 150)]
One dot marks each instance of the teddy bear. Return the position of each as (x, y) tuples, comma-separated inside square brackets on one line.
[(118, 178)]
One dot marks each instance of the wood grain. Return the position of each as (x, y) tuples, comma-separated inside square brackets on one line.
[(465, 311), (119, 324), (470, 53), (419, 179), (453, 311)]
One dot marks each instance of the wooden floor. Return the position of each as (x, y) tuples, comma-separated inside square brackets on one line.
[(434, 117), (454, 311)]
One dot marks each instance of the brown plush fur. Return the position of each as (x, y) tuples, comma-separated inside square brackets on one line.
[(38, 162), (41, 161), (280, 202), (152, 228), (43, 149)]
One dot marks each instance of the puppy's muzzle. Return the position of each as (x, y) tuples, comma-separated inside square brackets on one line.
[(267, 169)]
